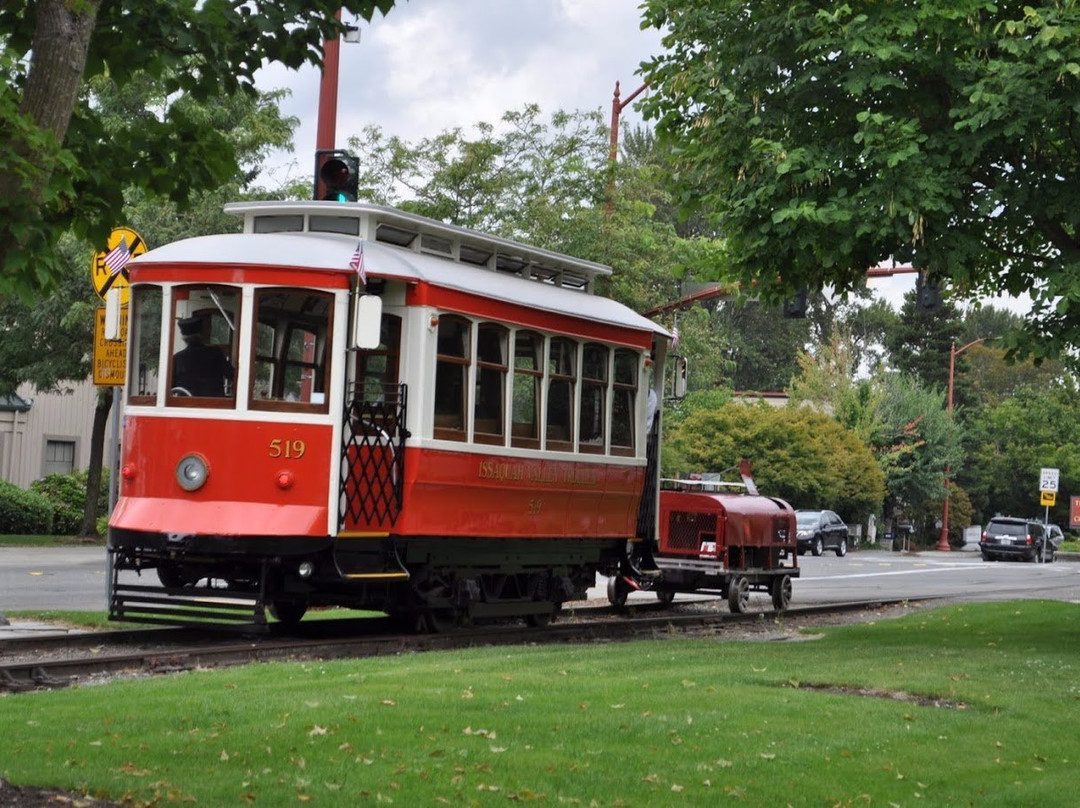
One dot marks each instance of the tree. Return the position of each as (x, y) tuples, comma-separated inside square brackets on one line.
[(798, 454), (63, 166), (1036, 427), (823, 139), (916, 442), (47, 341)]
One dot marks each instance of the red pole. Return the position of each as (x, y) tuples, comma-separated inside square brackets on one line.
[(943, 540), (326, 134), (617, 107)]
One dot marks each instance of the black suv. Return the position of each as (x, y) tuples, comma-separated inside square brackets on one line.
[(1010, 537)]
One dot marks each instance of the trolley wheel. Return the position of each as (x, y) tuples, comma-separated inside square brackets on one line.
[(617, 590), (780, 589), (172, 576), (738, 594), (665, 596), (289, 612), (441, 621), (542, 619)]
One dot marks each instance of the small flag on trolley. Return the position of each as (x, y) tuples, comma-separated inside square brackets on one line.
[(356, 263), (118, 257), (675, 337)]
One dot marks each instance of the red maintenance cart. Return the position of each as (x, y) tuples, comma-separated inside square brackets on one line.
[(716, 538)]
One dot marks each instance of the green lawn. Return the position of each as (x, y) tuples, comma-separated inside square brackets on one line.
[(845, 719)]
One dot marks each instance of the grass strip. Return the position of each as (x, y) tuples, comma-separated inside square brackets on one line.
[(969, 704)]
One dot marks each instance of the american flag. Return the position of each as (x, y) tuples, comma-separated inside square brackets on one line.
[(675, 337), (118, 257), (356, 263)]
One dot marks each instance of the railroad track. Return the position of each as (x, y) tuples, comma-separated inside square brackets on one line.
[(164, 651)]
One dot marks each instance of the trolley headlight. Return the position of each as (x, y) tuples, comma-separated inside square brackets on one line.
[(191, 472), (305, 569)]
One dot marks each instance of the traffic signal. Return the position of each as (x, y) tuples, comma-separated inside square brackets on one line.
[(927, 293), (337, 174), (795, 308)]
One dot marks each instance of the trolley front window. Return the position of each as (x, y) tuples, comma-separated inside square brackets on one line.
[(145, 344), (291, 364), (202, 368)]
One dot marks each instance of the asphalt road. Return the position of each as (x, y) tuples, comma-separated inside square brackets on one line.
[(39, 578)]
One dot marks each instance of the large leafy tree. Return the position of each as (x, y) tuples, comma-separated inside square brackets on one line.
[(821, 139), (1036, 427), (64, 166), (47, 341), (797, 453)]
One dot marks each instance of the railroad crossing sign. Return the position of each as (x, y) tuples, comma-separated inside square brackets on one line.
[(108, 268), (1048, 479)]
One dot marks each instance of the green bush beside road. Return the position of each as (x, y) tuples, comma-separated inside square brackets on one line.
[(970, 704)]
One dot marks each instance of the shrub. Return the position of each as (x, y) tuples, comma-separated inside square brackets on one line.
[(24, 512), (67, 493)]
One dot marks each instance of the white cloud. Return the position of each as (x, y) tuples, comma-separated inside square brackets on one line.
[(432, 65)]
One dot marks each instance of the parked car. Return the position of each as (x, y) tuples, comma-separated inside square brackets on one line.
[(1009, 537), (817, 531), (1057, 536)]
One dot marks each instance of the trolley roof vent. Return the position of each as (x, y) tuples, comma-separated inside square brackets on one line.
[(419, 234)]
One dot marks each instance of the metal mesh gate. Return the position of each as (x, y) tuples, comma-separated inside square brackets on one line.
[(373, 460)]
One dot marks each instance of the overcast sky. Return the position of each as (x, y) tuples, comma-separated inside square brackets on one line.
[(433, 65)]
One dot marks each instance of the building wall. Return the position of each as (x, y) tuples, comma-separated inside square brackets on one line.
[(64, 419)]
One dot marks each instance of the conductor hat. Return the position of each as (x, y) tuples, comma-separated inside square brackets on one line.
[(190, 326)]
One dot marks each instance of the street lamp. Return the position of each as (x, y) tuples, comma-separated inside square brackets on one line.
[(617, 107), (943, 540)]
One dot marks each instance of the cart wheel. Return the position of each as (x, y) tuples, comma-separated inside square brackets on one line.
[(617, 590), (738, 595), (780, 588), (665, 596), (289, 612)]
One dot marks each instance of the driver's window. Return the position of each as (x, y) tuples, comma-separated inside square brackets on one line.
[(202, 367)]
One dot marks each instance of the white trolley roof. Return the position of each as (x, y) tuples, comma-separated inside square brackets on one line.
[(407, 247)]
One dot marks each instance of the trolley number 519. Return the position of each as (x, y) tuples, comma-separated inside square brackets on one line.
[(289, 449)]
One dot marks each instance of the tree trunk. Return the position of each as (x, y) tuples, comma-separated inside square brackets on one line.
[(97, 453), (62, 32)]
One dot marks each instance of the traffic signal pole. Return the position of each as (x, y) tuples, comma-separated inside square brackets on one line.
[(326, 133)]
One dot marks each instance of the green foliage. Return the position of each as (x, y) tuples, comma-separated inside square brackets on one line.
[(67, 493), (822, 140), (66, 163), (797, 454), (916, 442), (1038, 427), (24, 512)]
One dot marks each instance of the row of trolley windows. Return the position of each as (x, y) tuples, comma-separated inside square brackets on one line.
[(568, 393), (518, 386), (289, 357)]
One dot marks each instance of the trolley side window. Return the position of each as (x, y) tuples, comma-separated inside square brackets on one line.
[(491, 368), (624, 395), (291, 362), (592, 420), (528, 379), (145, 348), (202, 368), (451, 377), (562, 377)]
